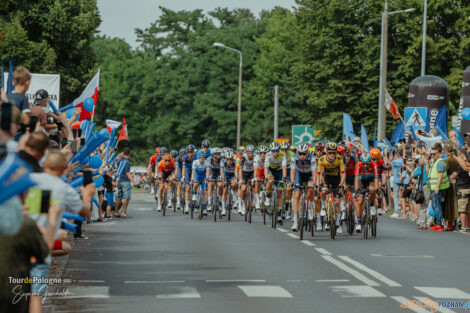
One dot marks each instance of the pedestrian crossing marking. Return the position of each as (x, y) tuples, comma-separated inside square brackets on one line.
[(265, 291), (180, 292), (358, 292), (444, 293)]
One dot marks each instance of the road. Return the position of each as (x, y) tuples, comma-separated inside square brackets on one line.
[(150, 263)]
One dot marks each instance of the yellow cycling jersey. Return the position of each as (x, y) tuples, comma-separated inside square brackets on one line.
[(331, 168)]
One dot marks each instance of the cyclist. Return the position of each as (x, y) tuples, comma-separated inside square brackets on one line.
[(227, 172), (166, 171), (205, 145), (382, 167), (342, 152), (303, 168), (179, 175), (154, 159), (273, 170), (213, 173), (259, 172), (319, 149), (288, 155), (187, 164), (198, 176), (333, 166), (367, 177), (246, 171)]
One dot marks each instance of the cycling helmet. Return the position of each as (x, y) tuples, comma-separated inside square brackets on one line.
[(341, 149), (292, 148), (274, 146), (163, 150), (241, 148), (302, 148), (206, 143), (167, 157), (331, 146), (365, 158), (174, 153), (157, 150), (319, 146), (200, 154), (285, 145), (190, 148), (229, 155), (375, 153), (250, 148), (311, 150), (216, 150), (263, 149), (182, 151)]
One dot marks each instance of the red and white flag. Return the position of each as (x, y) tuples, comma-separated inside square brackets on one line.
[(110, 124), (91, 90), (123, 131), (391, 106)]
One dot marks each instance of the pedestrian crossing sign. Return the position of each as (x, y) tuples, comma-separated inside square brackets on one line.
[(416, 117)]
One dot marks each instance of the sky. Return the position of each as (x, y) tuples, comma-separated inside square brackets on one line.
[(121, 17)]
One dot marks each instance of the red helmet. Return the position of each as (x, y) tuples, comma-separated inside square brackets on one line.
[(341, 149), (319, 146), (157, 150), (375, 153)]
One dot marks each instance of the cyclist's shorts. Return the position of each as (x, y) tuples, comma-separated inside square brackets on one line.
[(260, 174), (187, 178), (202, 179), (301, 178), (165, 175), (214, 174), (247, 176), (334, 182), (229, 177), (288, 174), (350, 182), (277, 175), (364, 183)]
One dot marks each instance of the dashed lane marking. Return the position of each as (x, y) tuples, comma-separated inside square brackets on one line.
[(180, 292), (265, 291), (323, 251)]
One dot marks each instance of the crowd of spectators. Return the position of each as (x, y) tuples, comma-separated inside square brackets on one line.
[(37, 147)]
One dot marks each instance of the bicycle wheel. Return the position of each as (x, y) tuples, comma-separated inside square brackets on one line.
[(374, 226), (263, 209), (229, 205), (331, 219), (302, 216), (365, 219)]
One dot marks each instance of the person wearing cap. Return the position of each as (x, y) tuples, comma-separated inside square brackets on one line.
[(41, 99)]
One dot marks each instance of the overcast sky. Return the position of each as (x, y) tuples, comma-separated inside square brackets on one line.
[(121, 17)]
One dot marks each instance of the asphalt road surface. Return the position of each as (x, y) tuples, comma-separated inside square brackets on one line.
[(151, 263)]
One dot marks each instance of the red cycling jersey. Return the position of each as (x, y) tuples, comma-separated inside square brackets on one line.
[(363, 173), (162, 167), (153, 160), (380, 166), (350, 167)]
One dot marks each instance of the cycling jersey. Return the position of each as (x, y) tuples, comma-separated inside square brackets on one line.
[(214, 166), (368, 173), (287, 160), (199, 168), (350, 167), (228, 168), (274, 162), (154, 160), (331, 168), (258, 162), (179, 166), (381, 166), (246, 164), (307, 166), (187, 162), (162, 167)]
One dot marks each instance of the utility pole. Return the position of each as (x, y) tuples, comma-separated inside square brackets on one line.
[(276, 112), (383, 74), (423, 52)]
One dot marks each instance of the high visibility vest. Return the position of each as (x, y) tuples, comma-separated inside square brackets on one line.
[(434, 174)]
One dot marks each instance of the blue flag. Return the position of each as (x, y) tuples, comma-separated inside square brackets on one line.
[(364, 140), (441, 119), (375, 135), (428, 122), (399, 132), (348, 130), (3, 74), (10, 77), (459, 137)]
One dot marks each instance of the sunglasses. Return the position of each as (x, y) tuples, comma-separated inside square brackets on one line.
[(201, 158), (262, 153), (302, 154), (217, 154), (331, 152), (274, 151), (167, 161)]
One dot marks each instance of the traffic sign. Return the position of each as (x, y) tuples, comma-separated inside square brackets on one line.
[(302, 134), (416, 117)]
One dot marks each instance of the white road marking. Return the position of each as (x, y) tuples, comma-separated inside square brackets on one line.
[(144, 209), (358, 292), (235, 281), (153, 281), (85, 292), (90, 281), (265, 291), (332, 280), (427, 301), (308, 243), (413, 307), (292, 236), (404, 256), (372, 272), (282, 230), (444, 293), (182, 292), (323, 251), (350, 270)]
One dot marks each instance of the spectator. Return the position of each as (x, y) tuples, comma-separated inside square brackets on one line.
[(41, 100), (437, 182), (405, 181), (397, 165), (21, 82), (450, 210), (429, 139), (34, 149), (462, 185), (421, 174), (124, 185)]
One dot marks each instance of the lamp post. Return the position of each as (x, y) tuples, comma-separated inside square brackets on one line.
[(239, 115), (383, 69), (423, 51)]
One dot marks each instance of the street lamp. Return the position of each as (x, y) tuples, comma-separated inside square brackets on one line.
[(423, 51), (383, 68), (239, 115)]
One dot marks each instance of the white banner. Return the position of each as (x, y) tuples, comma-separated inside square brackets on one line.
[(48, 82)]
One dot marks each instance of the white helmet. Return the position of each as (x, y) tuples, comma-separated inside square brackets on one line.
[(229, 155), (302, 148), (263, 149)]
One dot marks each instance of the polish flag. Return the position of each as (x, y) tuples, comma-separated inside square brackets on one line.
[(391, 106), (91, 90), (123, 131)]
